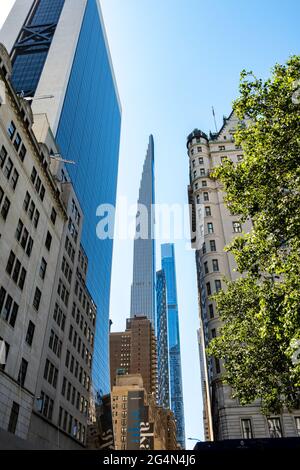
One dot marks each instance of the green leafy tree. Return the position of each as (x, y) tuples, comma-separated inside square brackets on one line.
[(259, 339)]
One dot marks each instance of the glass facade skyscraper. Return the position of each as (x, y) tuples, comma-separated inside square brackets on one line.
[(60, 52), (143, 291), (168, 266), (162, 342)]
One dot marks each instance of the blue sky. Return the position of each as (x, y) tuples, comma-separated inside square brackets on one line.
[(173, 60)]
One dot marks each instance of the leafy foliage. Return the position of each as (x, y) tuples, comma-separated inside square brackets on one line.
[(261, 310)]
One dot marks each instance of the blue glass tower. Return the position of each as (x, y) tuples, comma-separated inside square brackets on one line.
[(162, 342), (143, 291), (59, 52), (168, 266)]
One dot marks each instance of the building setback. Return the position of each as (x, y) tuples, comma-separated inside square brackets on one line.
[(213, 227), (61, 58)]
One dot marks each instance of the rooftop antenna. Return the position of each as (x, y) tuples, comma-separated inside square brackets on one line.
[(214, 115)]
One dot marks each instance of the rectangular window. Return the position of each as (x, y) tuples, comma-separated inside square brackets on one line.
[(22, 153), (30, 333), (36, 219), (17, 142), (275, 427), (202, 171), (205, 196), (215, 264), (3, 155), (5, 208), (11, 130), (33, 175), (37, 298), (29, 247), (10, 263), (8, 168), (212, 245), (19, 230), (297, 423), (206, 267), (43, 269), (210, 227), (218, 285), (14, 179), (208, 288), (26, 201), (217, 366), (207, 211), (246, 429), (22, 372), (13, 419), (204, 184), (211, 310), (48, 241), (53, 216), (22, 278), (31, 210)]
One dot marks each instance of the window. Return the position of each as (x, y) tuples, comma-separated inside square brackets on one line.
[(221, 147), (26, 201), (217, 366), (30, 333), (22, 279), (17, 142), (215, 264), (33, 175), (14, 179), (42, 193), (218, 285), (224, 160), (200, 160), (47, 407), (208, 288), (37, 298), (22, 372), (239, 158), (205, 196), (8, 168), (53, 216), (207, 211), (212, 245), (13, 419), (275, 427), (202, 171), (237, 228), (36, 218), (199, 149), (6, 346), (210, 227), (213, 333), (11, 130), (10, 262), (3, 155), (246, 429), (297, 423), (195, 174), (50, 373), (31, 210), (204, 184), (29, 247), (193, 163), (22, 153), (48, 241), (43, 269), (5, 208), (16, 272), (204, 248), (211, 310), (206, 267)]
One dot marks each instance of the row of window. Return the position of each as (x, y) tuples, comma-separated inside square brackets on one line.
[(22, 236), (199, 149), (79, 292), (17, 141), (55, 344), (78, 317), (63, 293), (4, 204), (82, 261), (72, 230), (274, 424), (75, 339), (73, 396), (65, 267), (215, 266), (30, 209), (75, 212), (8, 169), (8, 308), (36, 181), (71, 425), (15, 270), (218, 286), (77, 371)]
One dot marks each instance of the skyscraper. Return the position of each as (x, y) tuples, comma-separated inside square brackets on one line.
[(163, 394), (224, 417), (143, 293), (168, 266), (61, 58)]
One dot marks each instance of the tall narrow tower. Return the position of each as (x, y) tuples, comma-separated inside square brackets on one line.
[(61, 59), (168, 266), (143, 292)]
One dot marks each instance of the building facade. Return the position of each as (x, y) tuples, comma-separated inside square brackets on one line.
[(143, 293), (176, 391), (139, 424), (134, 352), (163, 394), (213, 227), (61, 58)]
